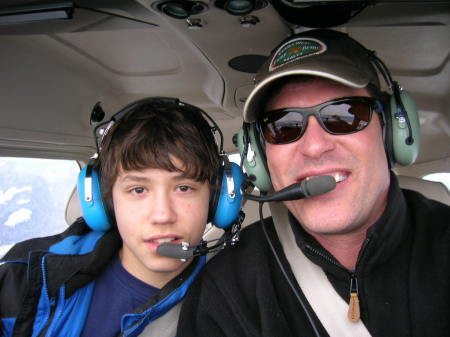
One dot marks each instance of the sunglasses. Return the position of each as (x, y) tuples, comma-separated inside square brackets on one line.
[(340, 116)]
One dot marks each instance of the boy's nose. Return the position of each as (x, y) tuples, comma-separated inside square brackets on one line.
[(162, 209)]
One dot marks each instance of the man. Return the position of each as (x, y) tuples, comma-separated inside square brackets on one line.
[(157, 174), (365, 258)]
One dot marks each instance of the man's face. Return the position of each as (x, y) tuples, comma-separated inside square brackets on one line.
[(359, 159), (153, 206)]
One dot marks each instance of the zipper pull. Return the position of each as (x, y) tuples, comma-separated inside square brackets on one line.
[(353, 305), (52, 302)]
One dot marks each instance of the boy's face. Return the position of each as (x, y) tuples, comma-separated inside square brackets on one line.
[(153, 206)]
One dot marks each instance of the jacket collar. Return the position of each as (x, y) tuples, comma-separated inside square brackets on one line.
[(77, 270), (382, 238)]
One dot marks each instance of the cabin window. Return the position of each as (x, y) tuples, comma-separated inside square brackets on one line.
[(33, 197), (443, 177)]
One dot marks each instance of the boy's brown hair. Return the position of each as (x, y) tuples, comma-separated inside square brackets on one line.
[(151, 134)]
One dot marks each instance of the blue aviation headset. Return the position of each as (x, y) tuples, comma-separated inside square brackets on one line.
[(225, 202)]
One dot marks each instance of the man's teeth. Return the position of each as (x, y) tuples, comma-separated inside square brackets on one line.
[(338, 177), (164, 240)]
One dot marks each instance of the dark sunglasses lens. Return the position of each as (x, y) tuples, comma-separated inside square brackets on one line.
[(346, 117), (282, 127)]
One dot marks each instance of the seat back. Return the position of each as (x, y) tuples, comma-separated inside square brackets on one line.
[(431, 189), (73, 207)]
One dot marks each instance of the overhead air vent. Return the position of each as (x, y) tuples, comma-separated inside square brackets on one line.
[(240, 7), (318, 14), (181, 9)]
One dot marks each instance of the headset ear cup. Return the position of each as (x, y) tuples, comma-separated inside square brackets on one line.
[(404, 153), (94, 211), (229, 204), (254, 159)]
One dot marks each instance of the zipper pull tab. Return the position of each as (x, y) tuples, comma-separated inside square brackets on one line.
[(353, 305)]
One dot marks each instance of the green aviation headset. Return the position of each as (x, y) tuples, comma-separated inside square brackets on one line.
[(401, 132)]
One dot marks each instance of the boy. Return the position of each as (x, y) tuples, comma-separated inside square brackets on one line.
[(158, 164)]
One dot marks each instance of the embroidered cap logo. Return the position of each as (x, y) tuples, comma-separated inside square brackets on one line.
[(296, 49)]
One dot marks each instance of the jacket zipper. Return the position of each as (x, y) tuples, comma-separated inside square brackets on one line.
[(354, 312), (56, 313), (51, 301), (324, 256)]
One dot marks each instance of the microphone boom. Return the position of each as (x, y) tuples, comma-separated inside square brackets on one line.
[(304, 189), (176, 251)]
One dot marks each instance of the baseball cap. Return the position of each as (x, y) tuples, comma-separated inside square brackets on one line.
[(320, 52)]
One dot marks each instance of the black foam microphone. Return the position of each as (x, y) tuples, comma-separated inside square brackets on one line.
[(304, 189), (180, 251)]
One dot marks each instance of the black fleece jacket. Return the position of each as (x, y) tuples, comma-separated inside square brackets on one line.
[(402, 273)]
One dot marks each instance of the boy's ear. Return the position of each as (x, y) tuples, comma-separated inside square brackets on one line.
[(95, 211)]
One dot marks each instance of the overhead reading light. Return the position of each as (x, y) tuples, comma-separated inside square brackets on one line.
[(181, 9), (42, 12), (240, 7), (247, 63)]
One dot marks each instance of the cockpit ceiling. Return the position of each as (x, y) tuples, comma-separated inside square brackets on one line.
[(119, 51)]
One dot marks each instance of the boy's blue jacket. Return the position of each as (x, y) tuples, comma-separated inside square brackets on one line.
[(46, 284)]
